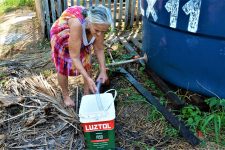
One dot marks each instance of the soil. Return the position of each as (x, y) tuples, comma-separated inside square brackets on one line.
[(23, 46), (18, 30)]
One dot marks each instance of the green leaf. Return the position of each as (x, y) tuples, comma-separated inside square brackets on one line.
[(222, 102), (206, 122), (213, 102), (190, 121), (217, 123), (197, 119)]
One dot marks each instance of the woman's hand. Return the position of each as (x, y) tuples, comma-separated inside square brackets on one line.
[(91, 85), (102, 76)]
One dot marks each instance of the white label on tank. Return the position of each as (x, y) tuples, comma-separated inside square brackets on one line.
[(141, 8), (150, 9), (172, 6), (192, 8)]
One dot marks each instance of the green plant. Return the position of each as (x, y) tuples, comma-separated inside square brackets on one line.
[(151, 83), (9, 5), (132, 95), (142, 69), (154, 114), (170, 131), (192, 115), (216, 104), (47, 73), (207, 122), (29, 3), (216, 119), (3, 76), (143, 146), (132, 54)]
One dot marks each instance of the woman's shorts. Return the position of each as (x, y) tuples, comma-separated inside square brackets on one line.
[(65, 66)]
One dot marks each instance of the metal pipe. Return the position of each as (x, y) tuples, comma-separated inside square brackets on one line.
[(128, 61)]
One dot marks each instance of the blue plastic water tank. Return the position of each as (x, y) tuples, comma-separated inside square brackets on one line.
[(185, 43)]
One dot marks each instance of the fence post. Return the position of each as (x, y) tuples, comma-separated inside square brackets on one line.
[(127, 8), (120, 12), (72, 3), (40, 15), (109, 4), (133, 5), (47, 16), (138, 12), (53, 12), (115, 12), (65, 3), (59, 9), (103, 2)]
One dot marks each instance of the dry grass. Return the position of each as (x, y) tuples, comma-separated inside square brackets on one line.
[(33, 115)]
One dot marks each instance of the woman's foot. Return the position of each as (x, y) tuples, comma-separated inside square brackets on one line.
[(68, 101)]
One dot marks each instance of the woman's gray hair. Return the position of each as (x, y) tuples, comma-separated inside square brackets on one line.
[(100, 15)]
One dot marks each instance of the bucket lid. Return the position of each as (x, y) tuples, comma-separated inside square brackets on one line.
[(89, 111)]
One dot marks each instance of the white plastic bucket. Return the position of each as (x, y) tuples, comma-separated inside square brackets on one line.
[(98, 126)]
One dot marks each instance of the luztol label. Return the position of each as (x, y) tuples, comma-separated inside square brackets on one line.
[(98, 126), (99, 135)]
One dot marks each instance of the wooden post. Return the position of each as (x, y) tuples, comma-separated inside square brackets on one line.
[(133, 4), (120, 12), (109, 5), (127, 12), (103, 2), (114, 14), (72, 2), (59, 8), (78, 2), (96, 2), (65, 4), (47, 17), (40, 15), (53, 11), (138, 12)]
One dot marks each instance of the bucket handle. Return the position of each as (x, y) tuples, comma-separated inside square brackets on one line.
[(115, 93)]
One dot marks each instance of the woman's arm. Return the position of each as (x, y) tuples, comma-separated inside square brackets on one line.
[(99, 51), (74, 50)]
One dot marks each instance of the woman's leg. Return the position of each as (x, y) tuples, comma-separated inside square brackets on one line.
[(63, 83)]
